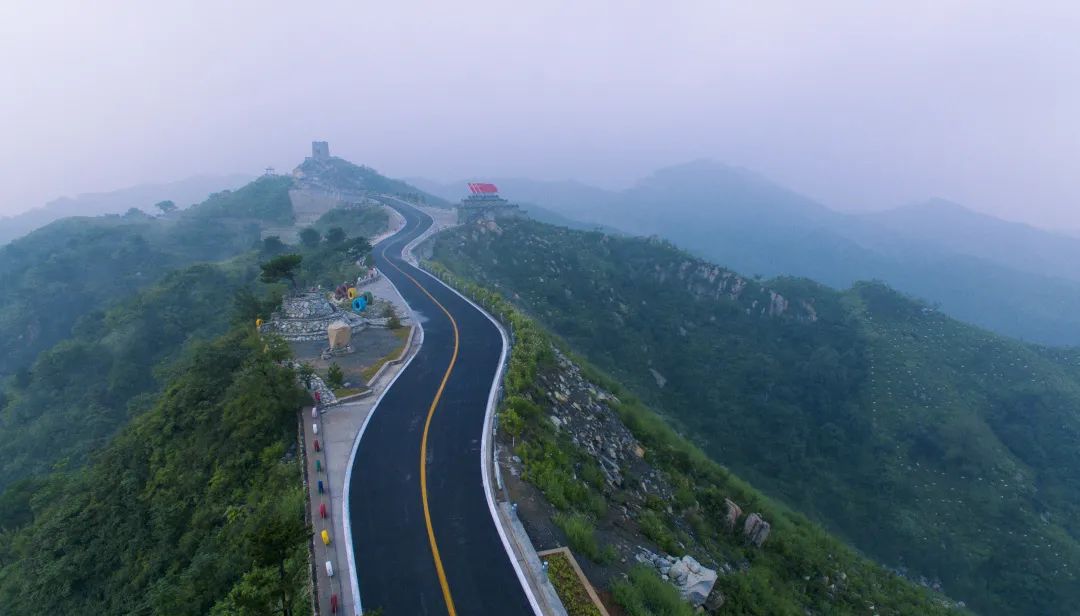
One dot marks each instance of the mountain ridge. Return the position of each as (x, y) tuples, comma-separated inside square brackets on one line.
[(142, 196), (1003, 276)]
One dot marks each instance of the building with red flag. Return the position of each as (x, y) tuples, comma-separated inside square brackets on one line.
[(484, 203)]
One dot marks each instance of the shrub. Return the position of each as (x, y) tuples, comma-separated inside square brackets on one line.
[(643, 593), (580, 534), (656, 529), (305, 372), (310, 237), (335, 235), (335, 377)]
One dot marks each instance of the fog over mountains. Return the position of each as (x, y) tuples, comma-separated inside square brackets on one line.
[(183, 192), (1009, 277)]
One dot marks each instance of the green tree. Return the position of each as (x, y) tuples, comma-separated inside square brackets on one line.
[(357, 247), (392, 319), (273, 245), (281, 268), (335, 235), (305, 372), (247, 306), (310, 237), (335, 377), (166, 206), (273, 539)]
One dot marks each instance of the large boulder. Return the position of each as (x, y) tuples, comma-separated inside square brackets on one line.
[(693, 580), (339, 333), (732, 513), (756, 529), (698, 582)]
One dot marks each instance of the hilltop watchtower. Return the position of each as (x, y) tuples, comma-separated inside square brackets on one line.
[(320, 150)]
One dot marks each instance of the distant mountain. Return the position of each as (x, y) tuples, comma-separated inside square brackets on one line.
[(1008, 277), (144, 196), (938, 448), (951, 226)]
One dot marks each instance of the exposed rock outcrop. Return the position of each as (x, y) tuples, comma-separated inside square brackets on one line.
[(756, 529), (693, 580), (585, 412), (732, 514), (706, 280)]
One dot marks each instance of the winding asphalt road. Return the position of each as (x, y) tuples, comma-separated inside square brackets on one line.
[(445, 555)]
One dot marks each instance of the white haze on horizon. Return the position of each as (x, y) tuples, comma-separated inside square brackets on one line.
[(859, 105)]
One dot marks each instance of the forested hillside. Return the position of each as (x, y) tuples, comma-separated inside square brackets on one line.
[(684, 509), (146, 470), (75, 396), (940, 449), (195, 508), (75, 266)]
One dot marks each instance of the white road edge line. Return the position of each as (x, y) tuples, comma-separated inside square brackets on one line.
[(489, 417), (354, 579)]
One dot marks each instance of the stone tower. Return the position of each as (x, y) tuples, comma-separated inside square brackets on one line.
[(320, 150)]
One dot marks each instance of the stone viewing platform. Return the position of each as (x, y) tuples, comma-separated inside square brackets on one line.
[(308, 316)]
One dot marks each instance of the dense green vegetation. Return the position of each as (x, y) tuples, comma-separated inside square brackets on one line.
[(75, 396), (69, 399), (144, 469), (940, 449), (194, 508), (789, 575), (75, 266), (330, 263), (355, 220), (264, 200)]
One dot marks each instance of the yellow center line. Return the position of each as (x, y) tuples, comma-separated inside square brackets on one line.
[(423, 443)]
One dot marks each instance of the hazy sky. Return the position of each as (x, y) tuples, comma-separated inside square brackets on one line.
[(859, 104)]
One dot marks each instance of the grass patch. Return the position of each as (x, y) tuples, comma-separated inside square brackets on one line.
[(643, 593), (341, 392), (654, 527), (581, 534), (402, 334), (569, 587)]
